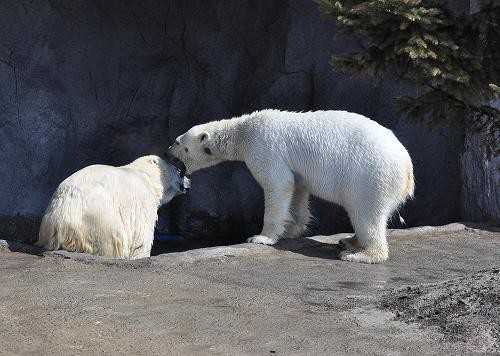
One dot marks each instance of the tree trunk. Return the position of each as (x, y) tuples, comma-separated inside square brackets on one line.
[(480, 175), (481, 181)]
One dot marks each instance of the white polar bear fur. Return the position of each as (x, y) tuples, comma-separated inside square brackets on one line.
[(338, 156), (109, 211)]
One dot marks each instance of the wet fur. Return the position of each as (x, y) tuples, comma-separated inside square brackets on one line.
[(109, 211)]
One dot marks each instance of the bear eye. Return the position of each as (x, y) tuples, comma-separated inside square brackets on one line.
[(207, 151), (186, 149), (176, 142)]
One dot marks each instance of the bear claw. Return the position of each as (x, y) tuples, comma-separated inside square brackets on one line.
[(260, 239)]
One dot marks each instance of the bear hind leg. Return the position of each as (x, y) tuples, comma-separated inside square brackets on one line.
[(369, 245), (301, 215), (349, 243)]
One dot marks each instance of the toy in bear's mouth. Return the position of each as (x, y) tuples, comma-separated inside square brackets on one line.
[(185, 184)]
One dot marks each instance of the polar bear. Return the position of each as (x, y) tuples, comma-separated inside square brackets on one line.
[(338, 156), (110, 211)]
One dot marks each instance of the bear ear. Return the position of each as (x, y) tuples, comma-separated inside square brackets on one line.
[(153, 160), (203, 137)]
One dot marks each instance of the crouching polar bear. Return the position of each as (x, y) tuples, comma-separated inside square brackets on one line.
[(338, 156), (110, 211)]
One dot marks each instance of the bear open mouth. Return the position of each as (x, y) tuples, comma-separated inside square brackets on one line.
[(177, 163)]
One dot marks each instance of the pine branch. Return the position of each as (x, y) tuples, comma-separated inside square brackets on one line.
[(456, 56)]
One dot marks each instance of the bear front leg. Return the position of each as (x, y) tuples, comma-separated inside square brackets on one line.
[(278, 194), (300, 214)]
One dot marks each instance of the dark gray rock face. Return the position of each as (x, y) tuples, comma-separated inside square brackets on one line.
[(106, 81)]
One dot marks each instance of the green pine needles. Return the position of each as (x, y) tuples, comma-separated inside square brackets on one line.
[(452, 58)]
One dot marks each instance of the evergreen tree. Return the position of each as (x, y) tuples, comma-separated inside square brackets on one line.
[(452, 58)]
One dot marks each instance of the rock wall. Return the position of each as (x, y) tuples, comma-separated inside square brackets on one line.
[(104, 81)]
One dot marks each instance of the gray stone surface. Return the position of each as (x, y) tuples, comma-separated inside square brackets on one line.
[(296, 298), (106, 81)]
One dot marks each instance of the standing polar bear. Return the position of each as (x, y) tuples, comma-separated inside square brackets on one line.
[(337, 156), (110, 211)]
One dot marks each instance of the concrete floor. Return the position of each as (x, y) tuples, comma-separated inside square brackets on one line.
[(295, 298)]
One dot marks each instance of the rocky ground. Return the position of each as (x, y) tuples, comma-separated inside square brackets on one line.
[(437, 294), (465, 309)]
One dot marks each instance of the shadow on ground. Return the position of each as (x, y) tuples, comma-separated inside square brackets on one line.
[(16, 246), (310, 248)]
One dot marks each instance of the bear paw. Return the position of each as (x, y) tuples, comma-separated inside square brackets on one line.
[(363, 257), (260, 239)]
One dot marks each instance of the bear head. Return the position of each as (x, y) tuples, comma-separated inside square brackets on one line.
[(196, 149), (166, 179)]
